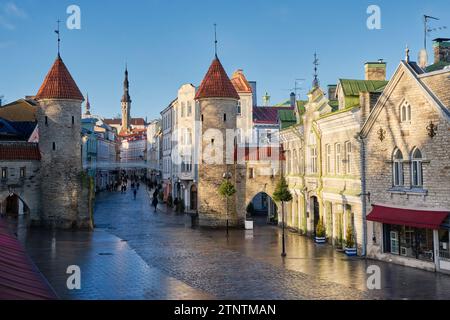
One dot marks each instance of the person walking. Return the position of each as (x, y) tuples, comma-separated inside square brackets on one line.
[(155, 201), (134, 193)]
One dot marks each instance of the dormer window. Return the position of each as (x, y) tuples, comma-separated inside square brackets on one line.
[(405, 112)]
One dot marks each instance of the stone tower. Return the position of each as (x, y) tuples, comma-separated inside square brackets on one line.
[(126, 103), (64, 188), (217, 99)]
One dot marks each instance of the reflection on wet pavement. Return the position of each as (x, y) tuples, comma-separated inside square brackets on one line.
[(162, 257)]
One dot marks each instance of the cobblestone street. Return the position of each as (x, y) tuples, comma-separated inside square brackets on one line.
[(135, 253)]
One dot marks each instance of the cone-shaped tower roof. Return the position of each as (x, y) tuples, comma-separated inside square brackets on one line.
[(59, 84)]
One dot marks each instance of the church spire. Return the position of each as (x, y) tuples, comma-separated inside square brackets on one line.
[(88, 106), (126, 87)]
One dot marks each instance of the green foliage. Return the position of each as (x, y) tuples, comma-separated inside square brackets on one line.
[(350, 238), (282, 192), (320, 229), (227, 189)]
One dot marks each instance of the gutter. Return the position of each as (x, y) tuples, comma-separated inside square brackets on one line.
[(363, 194)]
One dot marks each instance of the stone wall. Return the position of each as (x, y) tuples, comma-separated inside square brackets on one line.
[(63, 192)]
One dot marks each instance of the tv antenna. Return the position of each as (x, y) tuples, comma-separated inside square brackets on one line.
[(428, 30), (297, 87)]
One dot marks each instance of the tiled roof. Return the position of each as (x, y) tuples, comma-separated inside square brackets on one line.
[(20, 110), (134, 121), (19, 278), (240, 83), (59, 84), (267, 115), (19, 151), (216, 83)]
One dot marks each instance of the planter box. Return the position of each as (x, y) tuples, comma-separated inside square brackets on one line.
[(320, 240), (248, 224), (351, 252)]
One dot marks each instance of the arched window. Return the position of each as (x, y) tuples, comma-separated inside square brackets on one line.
[(416, 168), (405, 112), (398, 168)]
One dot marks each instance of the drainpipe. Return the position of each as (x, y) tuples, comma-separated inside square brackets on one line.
[(363, 193)]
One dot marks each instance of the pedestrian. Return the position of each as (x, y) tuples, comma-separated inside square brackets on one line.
[(134, 193), (155, 201), (138, 184)]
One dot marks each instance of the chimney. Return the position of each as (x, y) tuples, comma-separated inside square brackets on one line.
[(254, 96), (375, 70), (293, 99), (441, 47), (332, 92)]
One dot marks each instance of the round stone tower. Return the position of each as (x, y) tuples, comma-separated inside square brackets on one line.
[(64, 187), (217, 99)]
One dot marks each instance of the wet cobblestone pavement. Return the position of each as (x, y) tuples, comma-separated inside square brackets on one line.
[(135, 253)]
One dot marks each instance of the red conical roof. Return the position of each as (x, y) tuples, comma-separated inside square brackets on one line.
[(216, 83), (59, 84)]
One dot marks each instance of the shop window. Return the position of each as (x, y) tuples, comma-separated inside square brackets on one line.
[(409, 242), (444, 244)]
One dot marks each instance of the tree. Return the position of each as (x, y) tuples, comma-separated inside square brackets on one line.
[(227, 189), (282, 192)]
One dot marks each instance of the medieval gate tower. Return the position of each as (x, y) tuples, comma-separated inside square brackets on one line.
[(217, 99), (64, 188)]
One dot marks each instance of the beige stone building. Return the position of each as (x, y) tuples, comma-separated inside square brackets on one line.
[(407, 167), (323, 157)]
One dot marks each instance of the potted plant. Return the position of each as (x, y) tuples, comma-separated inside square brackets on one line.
[(350, 249), (248, 220), (320, 232)]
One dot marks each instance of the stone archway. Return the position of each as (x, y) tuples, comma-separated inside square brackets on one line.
[(263, 209), (14, 206)]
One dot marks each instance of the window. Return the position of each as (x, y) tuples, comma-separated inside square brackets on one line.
[(182, 109), (416, 168), (4, 173), (328, 164), (224, 117), (398, 168), (22, 172), (189, 108), (409, 242), (313, 159), (338, 158), (348, 157), (405, 112), (73, 120), (54, 146), (251, 173), (46, 120), (238, 107)]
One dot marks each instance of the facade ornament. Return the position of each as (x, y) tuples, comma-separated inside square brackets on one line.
[(381, 134), (432, 129)]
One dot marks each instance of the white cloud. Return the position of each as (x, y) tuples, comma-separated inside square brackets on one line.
[(8, 13), (12, 9)]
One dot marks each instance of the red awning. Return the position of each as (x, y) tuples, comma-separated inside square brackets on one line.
[(19, 278), (408, 217)]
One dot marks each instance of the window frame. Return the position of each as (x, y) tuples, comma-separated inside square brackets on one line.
[(398, 179), (416, 169)]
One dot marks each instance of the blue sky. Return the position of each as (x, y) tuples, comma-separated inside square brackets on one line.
[(168, 43)]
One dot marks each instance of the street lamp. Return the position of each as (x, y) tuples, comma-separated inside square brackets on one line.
[(227, 175), (283, 242)]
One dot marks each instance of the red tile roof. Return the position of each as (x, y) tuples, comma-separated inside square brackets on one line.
[(59, 84), (240, 83), (19, 278), (216, 83), (267, 115), (19, 151), (134, 121)]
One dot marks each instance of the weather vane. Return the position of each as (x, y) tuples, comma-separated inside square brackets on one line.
[(316, 64), (215, 39), (58, 33)]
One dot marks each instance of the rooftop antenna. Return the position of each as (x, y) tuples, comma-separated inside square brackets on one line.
[(297, 88), (426, 30), (1, 99), (215, 39), (58, 33)]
